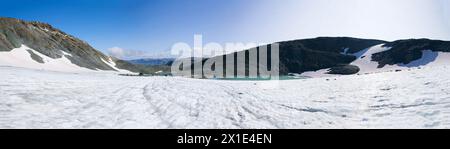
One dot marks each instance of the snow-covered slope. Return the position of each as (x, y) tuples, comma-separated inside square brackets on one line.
[(113, 65), (22, 57), (419, 98), (367, 65), (430, 58)]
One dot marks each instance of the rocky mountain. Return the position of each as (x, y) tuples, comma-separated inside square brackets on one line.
[(345, 55), (44, 42), (325, 52), (41, 46)]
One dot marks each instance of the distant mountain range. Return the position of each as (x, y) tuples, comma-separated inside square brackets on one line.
[(41, 46), (152, 61)]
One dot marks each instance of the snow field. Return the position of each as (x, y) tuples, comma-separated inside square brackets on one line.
[(418, 98)]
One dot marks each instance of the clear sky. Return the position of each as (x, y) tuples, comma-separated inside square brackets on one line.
[(152, 26)]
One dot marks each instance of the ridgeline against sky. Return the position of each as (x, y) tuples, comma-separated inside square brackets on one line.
[(154, 26)]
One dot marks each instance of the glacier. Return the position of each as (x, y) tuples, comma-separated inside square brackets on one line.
[(411, 98)]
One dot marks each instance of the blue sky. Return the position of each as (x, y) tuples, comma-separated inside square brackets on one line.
[(155, 25)]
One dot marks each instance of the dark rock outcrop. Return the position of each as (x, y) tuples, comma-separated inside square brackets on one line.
[(344, 70)]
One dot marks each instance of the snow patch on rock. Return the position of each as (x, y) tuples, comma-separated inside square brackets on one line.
[(430, 58), (21, 57), (366, 64), (112, 64)]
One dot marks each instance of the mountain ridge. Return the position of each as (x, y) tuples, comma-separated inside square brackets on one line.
[(339, 55), (38, 38), (50, 42)]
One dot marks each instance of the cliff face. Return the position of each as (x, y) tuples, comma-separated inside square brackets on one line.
[(49, 41)]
